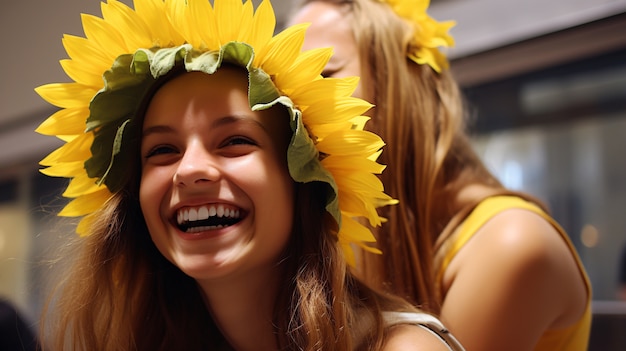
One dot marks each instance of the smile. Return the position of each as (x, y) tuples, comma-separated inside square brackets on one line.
[(208, 217)]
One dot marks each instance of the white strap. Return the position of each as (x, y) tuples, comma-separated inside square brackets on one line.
[(426, 321)]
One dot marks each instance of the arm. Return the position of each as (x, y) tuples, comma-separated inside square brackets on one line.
[(512, 281)]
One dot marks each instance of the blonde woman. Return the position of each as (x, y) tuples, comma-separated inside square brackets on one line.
[(500, 272)]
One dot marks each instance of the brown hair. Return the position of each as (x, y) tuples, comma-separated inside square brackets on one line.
[(120, 293)]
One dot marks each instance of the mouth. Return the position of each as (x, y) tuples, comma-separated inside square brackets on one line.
[(207, 217)]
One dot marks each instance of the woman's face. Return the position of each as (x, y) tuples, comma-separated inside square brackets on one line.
[(215, 190), (330, 27)]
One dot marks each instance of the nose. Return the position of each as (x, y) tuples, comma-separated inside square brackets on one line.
[(197, 166)]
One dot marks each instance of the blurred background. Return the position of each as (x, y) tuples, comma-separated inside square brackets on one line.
[(546, 86)]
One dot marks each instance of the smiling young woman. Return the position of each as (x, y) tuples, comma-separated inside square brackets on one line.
[(220, 179), (204, 150)]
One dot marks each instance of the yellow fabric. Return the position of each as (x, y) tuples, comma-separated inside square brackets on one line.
[(573, 338)]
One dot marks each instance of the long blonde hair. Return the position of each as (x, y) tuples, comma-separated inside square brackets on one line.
[(421, 116)]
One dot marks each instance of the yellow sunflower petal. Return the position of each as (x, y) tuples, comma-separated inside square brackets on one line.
[(359, 192), (77, 73), (356, 232), (86, 204), (65, 169), (68, 121), (104, 34), (351, 142), (320, 131), (245, 27), (282, 50), (305, 69), (229, 16), (353, 163), (66, 95), (429, 34), (135, 33), (68, 138), (337, 112), (346, 248), (83, 228), (308, 94), (359, 122), (87, 54), (262, 26), (76, 150), (179, 16), (153, 12), (201, 15), (81, 185)]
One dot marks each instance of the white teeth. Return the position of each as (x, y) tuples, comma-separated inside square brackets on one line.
[(205, 212), (193, 214)]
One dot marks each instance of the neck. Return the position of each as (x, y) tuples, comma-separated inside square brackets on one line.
[(474, 192), (243, 307)]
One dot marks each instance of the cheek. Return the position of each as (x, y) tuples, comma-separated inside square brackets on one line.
[(281, 217), (152, 188), (358, 92), (146, 188), (275, 186)]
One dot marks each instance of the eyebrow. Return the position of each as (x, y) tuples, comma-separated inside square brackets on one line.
[(223, 121), (158, 129)]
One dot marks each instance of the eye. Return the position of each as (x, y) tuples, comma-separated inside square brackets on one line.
[(238, 140), (329, 73), (161, 150), (237, 146)]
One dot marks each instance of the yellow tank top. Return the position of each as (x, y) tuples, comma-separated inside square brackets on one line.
[(573, 338)]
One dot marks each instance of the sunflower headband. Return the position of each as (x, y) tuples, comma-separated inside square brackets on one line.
[(125, 52), (429, 35)]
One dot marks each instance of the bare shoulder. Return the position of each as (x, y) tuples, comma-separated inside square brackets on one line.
[(516, 275), (521, 247), (408, 337), (524, 239)]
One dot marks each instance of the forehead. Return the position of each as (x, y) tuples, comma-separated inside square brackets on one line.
[(330, 26), (227, 87), (201, 97), (224, 78)]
